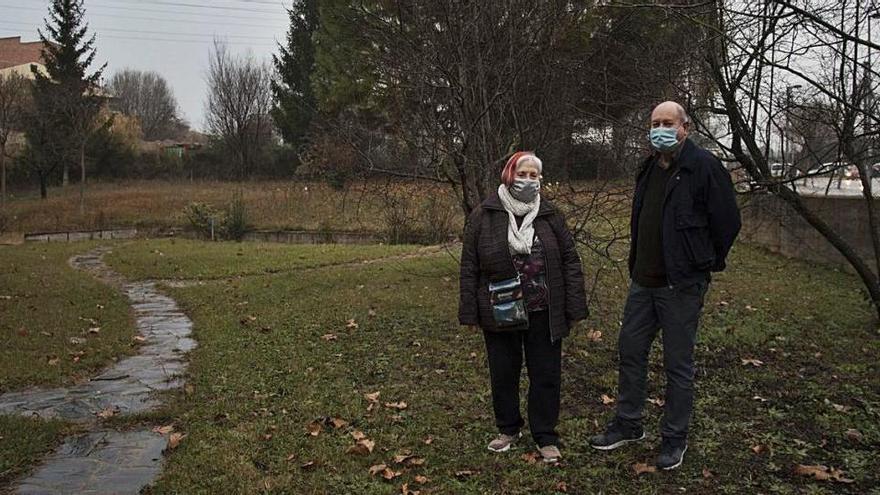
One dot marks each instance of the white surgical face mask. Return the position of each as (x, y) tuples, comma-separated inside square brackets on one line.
[(525, 190)]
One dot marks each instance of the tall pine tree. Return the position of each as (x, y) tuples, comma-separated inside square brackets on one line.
[(294, 98), (66, 97)]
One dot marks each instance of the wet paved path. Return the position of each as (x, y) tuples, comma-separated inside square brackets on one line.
[(105, 461)]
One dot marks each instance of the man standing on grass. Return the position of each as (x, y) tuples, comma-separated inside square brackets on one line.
[(684, 221)]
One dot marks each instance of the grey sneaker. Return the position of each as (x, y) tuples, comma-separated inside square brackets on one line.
[(550, 453), (671, 454), (503, 442), (617, 435)]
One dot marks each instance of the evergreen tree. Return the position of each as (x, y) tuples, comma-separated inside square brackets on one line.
[(294, 99), (66, 97)]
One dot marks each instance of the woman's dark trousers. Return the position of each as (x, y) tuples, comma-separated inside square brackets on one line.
[(543, 362)]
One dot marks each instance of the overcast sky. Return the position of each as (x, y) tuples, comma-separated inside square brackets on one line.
[(171, 37)]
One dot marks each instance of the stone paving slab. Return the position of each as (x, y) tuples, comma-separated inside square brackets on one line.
[(101, 462)]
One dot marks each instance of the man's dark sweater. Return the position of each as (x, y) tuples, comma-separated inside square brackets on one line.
[(650, 268)]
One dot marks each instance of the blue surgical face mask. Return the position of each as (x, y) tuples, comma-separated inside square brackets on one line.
[(525, 190), (664, 139)]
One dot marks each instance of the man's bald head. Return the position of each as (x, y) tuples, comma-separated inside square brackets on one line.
[(671, 114), (670, 109)]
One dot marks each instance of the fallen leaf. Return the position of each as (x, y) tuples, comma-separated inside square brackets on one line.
[(309, 466), (401, 458), (163, 430), (594, 335), (641, 468), (371, 313), (338, 423), (473, 355), (561, 487), (290, 457), (659, 402), (707, 473), (351, 324), (854, 435), (23, 332), (95, 330), (415, 461), (52, 361), (404, 490), (429, 440), (358, 435), (363, 446), (107, 413), (822, 473), (421, 479), (174, 440), (465, 473), (328, 337), (315, 428), (530, 457), (389, 474), (754, 362), (396, 405), (372, 397), (77, 341), (139, 338), (606, 399), (378, 468), (758, 449)]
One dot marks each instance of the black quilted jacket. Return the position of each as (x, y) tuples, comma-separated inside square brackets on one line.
[(485, 257)]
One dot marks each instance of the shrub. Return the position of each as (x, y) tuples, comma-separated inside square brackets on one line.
[(235, 219), (203, 218), (229, 223)]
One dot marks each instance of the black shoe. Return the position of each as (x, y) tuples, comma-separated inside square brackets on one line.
[(617, 434), (671, 454)]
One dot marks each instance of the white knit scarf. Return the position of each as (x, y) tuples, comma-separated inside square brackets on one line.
[(519, 239)]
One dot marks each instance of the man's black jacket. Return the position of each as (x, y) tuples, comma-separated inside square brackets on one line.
[(700, 215)]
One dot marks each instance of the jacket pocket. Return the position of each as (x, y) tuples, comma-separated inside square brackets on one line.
[(693, 232)]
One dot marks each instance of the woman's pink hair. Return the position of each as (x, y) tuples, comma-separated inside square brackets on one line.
[(508, 174)]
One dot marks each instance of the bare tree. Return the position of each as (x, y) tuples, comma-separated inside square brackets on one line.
[(147, 96), (14, 98), (238, 106)]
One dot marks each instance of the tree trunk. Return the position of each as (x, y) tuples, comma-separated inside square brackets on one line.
[(82, 179), (2, 176), (44, 178), (65, 174)]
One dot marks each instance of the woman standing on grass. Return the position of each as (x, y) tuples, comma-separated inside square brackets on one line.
[(521, 282)]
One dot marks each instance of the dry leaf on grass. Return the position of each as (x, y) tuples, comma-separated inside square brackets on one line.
[(659, 402), (465, 473), (373, 396), (606, 399), (95, 330), (396, 405), (328, 337), (363, 446), (174, 440), (351, 324), (378, 468), (758, 449), (315, 428), (429, 440), (561, 487), (641, 468), (52, 360), (404, 490), (139, 338), (707, 473), (594, 335), (822, 473), (163, 430), (358, 435), (530, 457), (421, 479), (309, 466), (754, 362), (337, 423)]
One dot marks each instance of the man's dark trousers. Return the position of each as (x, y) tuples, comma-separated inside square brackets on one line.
[(677, 311)]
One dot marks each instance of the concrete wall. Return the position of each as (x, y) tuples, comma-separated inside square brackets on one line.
[(770, 222)]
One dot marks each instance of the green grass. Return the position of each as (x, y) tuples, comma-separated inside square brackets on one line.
[(187, 259), (254, 392), (44, 304)]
